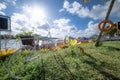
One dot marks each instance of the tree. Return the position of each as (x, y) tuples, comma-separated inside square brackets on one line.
[(112, 32)]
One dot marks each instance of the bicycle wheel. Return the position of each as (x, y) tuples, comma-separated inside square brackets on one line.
[(18, 67)]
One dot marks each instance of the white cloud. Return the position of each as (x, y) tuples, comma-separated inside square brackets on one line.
[(62, 28), (75, 8), (2, 7), (59, 28), (61, 23), (97, 12), (27, 19), (36, 14), (91, 30), (19, 21), (4, 4), (22, 21), (11, 1), (72, 8), (116, 9)]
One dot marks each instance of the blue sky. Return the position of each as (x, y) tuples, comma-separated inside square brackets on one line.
[(61, 17)]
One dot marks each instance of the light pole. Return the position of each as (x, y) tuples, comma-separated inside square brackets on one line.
[(118, 29), (0, 40)]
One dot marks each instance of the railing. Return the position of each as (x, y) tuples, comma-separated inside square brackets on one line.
[(111, 38)]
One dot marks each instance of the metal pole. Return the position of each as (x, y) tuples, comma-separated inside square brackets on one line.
[(117, 32), (0, 40), (106, 18)]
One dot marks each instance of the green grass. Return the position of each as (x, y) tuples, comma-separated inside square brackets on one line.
[(96, 63)]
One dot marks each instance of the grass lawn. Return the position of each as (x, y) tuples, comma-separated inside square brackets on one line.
[(96, 63)]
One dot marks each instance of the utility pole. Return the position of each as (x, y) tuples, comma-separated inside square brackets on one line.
[(118, 29), (0, 40), (106, 18)]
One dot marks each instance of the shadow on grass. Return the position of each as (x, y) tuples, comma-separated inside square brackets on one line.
[(99, 68), (112, 48), (90, 56)]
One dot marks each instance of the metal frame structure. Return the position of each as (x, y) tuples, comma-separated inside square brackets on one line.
[(8, 24)]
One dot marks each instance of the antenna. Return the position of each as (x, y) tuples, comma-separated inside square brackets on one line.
[(49, 33), (50, 41)]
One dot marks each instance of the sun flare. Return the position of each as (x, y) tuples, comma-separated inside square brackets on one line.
[(36, 13)]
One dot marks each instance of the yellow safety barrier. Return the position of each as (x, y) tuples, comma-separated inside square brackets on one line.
[(7, 52)]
